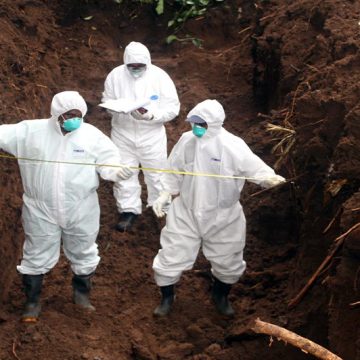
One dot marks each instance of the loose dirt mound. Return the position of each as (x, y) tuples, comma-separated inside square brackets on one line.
[(289, 63)]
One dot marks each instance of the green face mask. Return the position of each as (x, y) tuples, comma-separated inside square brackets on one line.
[(72, 124), (198, 130)]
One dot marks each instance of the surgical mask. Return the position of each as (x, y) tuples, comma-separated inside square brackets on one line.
[(198, 130), (72, 124), (137, 72)]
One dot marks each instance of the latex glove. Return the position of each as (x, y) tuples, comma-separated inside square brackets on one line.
[(273, 181), (142, 114), (160, 203), (124, 173)]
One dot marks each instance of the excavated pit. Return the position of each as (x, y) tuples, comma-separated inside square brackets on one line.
[(288, 63)]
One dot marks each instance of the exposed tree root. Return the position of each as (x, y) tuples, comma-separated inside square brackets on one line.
[(305, 345), (338, 242)]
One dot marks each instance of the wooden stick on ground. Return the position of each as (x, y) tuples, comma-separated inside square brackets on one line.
[(357, 303), (338, 242), (14, 350), (333, 220), (305, 345)]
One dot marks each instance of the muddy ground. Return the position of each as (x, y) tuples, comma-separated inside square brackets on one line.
[(294, 64)]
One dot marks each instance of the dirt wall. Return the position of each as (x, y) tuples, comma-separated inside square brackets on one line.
[(287, 63)]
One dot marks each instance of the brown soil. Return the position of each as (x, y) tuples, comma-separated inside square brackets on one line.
[(293, 63)]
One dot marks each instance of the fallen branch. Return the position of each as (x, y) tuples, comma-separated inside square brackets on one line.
[(305, 345), (268, 17), (338, 242), (41, 86), (238, 45), (311, 124), (357, 303), (264, 116), (14, 351), (204, 273), (312, 68), (295, 68), (243, 30), (290, 113), (333, 220)]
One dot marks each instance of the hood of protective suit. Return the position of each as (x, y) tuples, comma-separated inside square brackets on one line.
[(65, 101), (137, 53), (213, 113)]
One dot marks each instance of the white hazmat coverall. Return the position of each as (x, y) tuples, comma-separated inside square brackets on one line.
[(207, 211), (60, 200), (140, 141)]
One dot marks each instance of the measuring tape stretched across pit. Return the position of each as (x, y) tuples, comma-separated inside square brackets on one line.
[(168, 171)]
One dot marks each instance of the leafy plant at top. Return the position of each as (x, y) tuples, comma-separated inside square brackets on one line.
[(197, 42), (182, 10), (186, 9)]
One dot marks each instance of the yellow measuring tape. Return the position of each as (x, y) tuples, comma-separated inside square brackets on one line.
[(168, 171)]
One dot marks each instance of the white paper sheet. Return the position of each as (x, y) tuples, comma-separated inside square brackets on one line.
[(125, 105)]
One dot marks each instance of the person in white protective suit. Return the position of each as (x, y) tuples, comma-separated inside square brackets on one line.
[(207, 213), (140, 135), (60, 199)]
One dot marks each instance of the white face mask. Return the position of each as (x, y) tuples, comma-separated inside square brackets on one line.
[(137, 72)]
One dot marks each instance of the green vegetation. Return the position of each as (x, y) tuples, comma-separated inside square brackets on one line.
[(181, 11), (184, 10)]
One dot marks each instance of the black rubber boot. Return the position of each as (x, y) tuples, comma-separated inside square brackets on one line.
[(219, 295), (82, 286), (126, 221), (167, 300), (32, 288)]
